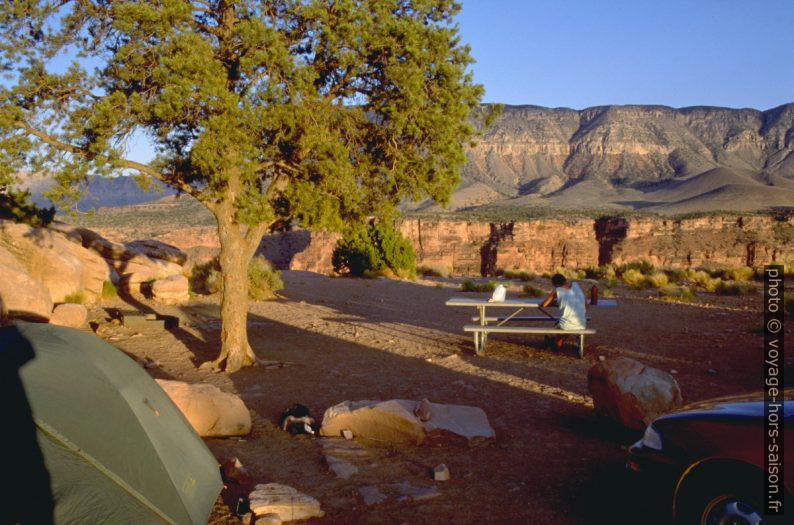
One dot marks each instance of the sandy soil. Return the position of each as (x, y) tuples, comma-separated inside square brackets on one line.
[(553, 461)]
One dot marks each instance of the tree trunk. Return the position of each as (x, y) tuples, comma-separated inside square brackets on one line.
[(236, 254)]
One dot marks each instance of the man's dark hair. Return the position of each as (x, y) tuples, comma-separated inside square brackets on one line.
[(558, 280)]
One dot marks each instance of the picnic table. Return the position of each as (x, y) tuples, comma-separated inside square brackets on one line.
[(543, 323)]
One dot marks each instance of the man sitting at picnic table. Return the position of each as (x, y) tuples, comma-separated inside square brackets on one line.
[(573, 308)]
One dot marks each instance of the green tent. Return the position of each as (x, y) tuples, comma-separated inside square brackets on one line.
[(115, 449)]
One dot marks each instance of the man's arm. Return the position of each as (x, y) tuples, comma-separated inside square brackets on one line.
[(549, 299)]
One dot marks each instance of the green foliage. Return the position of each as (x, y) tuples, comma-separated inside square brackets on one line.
[(521, 275), (263, 280), (109, 290), (533, 291), (75, 298), (470, 286), (606, 271), (15, 206), (376, 249)]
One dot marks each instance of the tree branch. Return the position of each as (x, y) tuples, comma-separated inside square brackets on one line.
[(122, 163)]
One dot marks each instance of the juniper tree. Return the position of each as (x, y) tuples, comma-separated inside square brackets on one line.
[(308, 112)]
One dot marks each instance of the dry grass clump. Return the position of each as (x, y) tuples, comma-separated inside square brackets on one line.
[(741, 273), (109, 290), (75, 298), (633, 278), (263, 280), (470, 286), (682, 294), (735, 288), (434, 270)]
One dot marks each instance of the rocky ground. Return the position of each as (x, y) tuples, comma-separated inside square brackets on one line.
[(327, 340)]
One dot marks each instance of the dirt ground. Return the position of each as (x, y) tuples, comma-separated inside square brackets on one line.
[(553, 461)]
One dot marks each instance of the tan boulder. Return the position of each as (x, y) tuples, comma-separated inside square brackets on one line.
[(158, 250), (395, 421), (630, 392), (69, 314), (20, 295), (170, 290), (209, 410)]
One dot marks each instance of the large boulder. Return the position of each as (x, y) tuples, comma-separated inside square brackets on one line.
[(158, 250), (395, 421), (632, 393), (68, 314), (21, 296), (170, 290), (212, 412), (59, 263)]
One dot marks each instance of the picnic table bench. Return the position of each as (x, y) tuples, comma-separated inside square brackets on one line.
[(483, 328)]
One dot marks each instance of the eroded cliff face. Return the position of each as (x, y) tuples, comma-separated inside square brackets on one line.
[(478, 248)]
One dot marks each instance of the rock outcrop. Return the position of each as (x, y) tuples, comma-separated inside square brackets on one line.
[(21, 296), (55, 260), (631, 393)]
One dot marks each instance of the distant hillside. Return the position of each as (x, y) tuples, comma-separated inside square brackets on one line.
[(633, 157)]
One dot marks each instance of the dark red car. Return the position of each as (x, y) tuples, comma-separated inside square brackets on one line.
[(709, 459)]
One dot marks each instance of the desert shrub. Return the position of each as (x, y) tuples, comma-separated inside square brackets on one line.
[(605, 271), (205, 278), (434, 271), (633, 278), (109, 290), (677, 293), (263, 280), (470, 286), (607, 293), (521, 275), (676, 275), (741, 273), (642, 266), (570, 273), (533, 291), (735, 288), (656, 280), (75, 298), (375, 248)]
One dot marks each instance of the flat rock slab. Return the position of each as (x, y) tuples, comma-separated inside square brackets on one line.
[(395, 421), (288, 503), (409, 491), (341, 467), (371, 495)]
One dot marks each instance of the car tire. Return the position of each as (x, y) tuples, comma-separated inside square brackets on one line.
[(731, 497)]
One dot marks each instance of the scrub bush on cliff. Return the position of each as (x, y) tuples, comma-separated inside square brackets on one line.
[(377, 249)]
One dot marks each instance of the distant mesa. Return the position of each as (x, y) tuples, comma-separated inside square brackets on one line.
[(654, 158)]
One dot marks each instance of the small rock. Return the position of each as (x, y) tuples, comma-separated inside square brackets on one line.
[(150, 363), (711, 372), (441, 473), (422, 410), (234, 471), (347, 434), (673, 371), (602, 358)]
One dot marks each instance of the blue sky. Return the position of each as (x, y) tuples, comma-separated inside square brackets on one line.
[(580, 53)]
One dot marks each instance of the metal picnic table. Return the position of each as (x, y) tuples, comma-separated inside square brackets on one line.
[(482, 329)]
